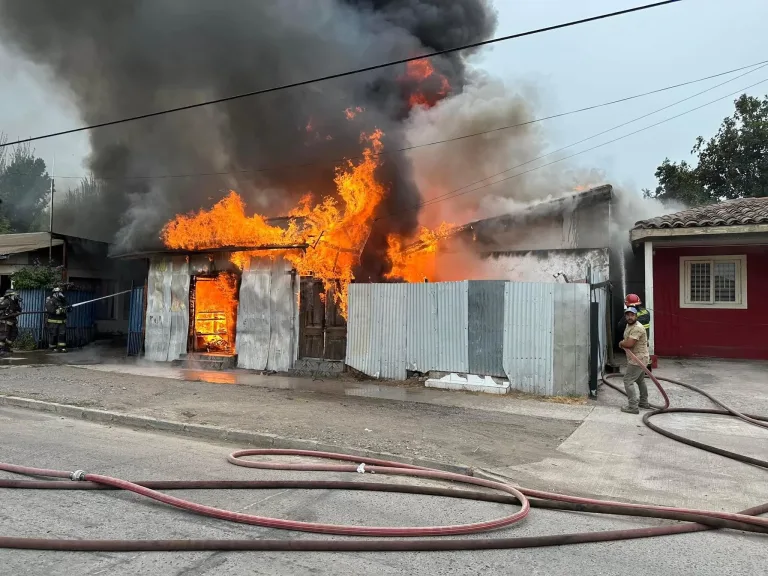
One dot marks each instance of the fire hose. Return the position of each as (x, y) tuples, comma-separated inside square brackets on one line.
[(522, 498), (666, 409)]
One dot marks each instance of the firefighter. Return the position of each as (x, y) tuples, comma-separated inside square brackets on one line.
[(10, 308), (643, 316), (56, 308)]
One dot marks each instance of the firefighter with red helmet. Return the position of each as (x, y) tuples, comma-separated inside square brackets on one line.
[(643, 315)]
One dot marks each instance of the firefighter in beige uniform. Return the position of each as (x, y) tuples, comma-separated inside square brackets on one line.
[(636, 341)]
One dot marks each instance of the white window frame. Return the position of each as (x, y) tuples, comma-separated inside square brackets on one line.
[(741, 282)]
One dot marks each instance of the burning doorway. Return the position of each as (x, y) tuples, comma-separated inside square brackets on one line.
[(213, 307)]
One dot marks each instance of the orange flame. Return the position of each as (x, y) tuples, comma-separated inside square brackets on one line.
[(216, 313), (335, 230), (419, 71), (416, 261)]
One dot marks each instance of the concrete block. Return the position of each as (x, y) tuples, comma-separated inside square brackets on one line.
[(470, 382)]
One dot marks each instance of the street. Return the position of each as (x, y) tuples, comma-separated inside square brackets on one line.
[(36, 439)]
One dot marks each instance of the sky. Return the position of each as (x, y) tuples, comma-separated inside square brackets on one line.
[(560, 71)]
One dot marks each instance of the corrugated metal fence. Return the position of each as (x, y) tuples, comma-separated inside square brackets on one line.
[(80, 321), (33, 324), (534, 334), (136, 322)]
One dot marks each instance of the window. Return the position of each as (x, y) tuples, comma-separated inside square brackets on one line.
[(713, 282)]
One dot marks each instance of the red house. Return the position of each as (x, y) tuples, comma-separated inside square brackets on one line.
[(706, 280)]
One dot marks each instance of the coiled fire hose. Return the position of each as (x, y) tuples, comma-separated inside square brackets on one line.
[(522, 498), (761, 421)]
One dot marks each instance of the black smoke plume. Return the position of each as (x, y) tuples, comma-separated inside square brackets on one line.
[(120, 58)]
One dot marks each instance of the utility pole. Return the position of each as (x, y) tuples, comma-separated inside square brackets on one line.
[(50, 215)]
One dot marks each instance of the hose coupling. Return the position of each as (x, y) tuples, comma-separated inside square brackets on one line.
[(77, 475)]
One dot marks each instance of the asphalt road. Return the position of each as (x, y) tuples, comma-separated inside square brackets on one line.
[(37, 439)]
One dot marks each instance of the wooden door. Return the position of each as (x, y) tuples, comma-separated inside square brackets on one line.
[(335, 330), (322, 329), (311, 318)]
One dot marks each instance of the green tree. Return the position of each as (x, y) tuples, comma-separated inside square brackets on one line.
[(25, 187), (731, 164), (36, 276)]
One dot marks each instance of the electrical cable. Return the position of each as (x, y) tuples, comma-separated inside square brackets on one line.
[(347, 73), (453, 193), (336, 160)]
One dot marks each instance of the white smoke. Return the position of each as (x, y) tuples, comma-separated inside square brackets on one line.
[(486, 105)]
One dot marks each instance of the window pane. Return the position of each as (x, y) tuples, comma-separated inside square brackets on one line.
[(725, 281), (700, 281)]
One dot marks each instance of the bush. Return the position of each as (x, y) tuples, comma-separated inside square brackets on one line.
[(25, 341), (36, 276)]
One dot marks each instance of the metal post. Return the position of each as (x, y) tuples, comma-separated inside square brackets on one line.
[(50, 215), (594, 345), (649, 304)]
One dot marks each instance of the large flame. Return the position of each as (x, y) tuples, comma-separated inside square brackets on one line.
[(416, 261), (334, 230)]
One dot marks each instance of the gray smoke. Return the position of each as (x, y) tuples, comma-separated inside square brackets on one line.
[(129, 57), (498, 171)]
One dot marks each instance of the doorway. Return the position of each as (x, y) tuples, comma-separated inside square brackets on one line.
[(213, 303)]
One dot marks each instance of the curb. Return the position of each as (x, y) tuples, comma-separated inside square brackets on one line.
[(257, 439)]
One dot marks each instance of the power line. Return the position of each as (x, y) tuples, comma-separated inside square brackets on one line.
[(617, 139), (424, 145), (601, 144), (454, 193), (347, 73)]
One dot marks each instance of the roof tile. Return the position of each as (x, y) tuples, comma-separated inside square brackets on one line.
[(731, 213)]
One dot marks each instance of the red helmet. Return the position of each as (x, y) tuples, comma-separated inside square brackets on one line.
[(632, 300)]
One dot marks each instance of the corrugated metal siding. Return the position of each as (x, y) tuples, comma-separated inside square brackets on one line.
[(80, 321), (158, 325), (281, 313), (267, 320), (179, 312), (393, 328), (253, 319), (389, 320), (528, 336), (452, 326), (537, 332), (571, 339), (486, 327), (136, 322), (421, 335), (33, 301), (360, 333)]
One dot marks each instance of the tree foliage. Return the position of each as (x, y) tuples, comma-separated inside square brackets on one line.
[(36, 276), (25, 187), (732, 164)]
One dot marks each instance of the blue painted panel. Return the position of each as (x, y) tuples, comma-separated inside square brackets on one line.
[(136, 322)]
